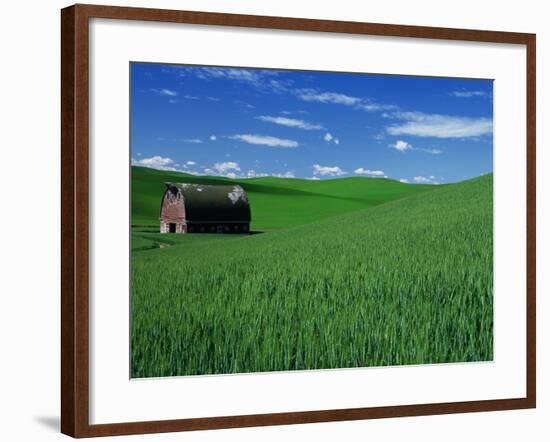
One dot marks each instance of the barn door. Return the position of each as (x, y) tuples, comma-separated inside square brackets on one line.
[(172, 227)]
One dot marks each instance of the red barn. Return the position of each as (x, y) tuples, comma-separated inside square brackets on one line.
[(201, 208)]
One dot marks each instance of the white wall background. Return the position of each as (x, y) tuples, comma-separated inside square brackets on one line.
[(29, 249)]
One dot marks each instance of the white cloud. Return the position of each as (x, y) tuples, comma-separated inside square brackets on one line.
[(231, 175), (326, 97), (369, 106), (265, 140), (290, 122), (223, 168), (193, 141), (190, 97), (336, 141), (190, 163), (403, 180), (213, 98), (422, 179), (213, 137), (244, 104), (365, 104), (264, 80), (284, 175), (165, 92), (278, 86), (253, 174), (425, 179), (155, 162), (327, 170), (362, 171), (168, 93), (432, 151), (440, 126), (247, 75), (328, 137), (468, 94), (401, 146)]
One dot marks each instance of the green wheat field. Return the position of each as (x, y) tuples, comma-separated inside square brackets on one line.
[(349, 272)]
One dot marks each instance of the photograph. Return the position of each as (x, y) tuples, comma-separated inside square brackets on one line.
[(276, 221), (289, 220)]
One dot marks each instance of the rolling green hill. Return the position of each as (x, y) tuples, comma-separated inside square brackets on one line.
[(275, 202), (408, 281)]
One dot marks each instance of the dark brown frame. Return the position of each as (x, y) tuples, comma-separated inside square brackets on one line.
[(74, 220)]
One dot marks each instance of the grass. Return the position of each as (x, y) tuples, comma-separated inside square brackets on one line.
[(276, 203), (405, 279)]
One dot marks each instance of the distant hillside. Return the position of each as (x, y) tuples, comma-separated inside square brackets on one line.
[(275, 202)]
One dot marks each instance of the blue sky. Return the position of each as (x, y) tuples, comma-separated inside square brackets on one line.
[(242, 122)]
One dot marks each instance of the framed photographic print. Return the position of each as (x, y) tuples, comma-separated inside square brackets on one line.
[(275, 220)]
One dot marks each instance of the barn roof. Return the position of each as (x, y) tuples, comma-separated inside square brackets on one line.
[(223, 202)]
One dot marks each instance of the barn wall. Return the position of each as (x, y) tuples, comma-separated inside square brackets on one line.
[(172, 212), (180, 227)]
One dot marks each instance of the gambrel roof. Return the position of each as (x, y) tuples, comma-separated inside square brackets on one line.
[(212, 203)]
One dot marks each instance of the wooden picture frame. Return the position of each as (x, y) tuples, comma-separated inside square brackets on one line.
[(75, 220)]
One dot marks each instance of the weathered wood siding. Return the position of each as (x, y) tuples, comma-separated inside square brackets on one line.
[(172, 212)]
